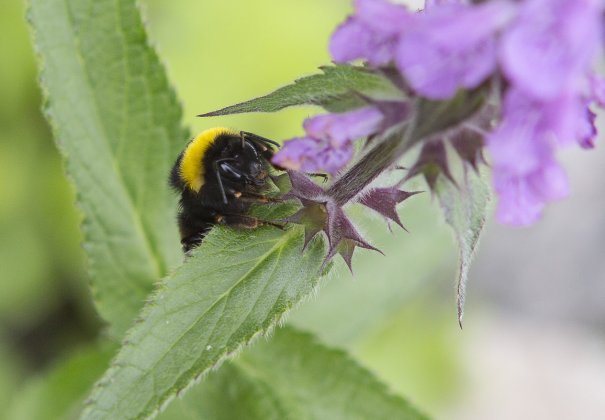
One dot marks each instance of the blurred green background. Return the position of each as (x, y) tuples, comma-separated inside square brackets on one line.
[(396, 315)]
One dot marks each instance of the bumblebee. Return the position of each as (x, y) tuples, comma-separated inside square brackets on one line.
[(219, 175)]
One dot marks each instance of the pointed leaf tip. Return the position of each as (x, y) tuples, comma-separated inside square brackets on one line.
[(332, 89), (468, 145), (465, 210), (460, 304), (432, 162), (320, 212), (384, 201)]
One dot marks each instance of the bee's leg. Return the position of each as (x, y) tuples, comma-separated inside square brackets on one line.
[(219, 177), (255, 198), (314, 174), (246, 222)]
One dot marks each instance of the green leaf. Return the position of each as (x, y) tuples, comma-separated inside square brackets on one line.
[(117, 123), (331, 90), (59, 393), (465, 209), (12, 371), (237, 286), (291, 377)]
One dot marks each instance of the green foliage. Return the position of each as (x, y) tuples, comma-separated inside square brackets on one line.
[(117, 122), (59, 394), (291, 377), (236, 287), (465, 210), (331, 90)]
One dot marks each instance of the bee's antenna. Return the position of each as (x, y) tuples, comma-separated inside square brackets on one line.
[(258, 139)]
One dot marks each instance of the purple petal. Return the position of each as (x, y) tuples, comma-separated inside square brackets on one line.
[(294, 153), (522, 199), (451, 46), (526, 175), (332, 160), (341, 128), (597, 89), (328, 145), (353, 40), (587, 130), (531, 129), (382, 16), (517, 205), (551, 45), (428, 4), (370, 34), (313, 155), (549, 182)]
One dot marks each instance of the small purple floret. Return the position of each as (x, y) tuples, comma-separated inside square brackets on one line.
[(341, 128), (328, 144), (308, 154)]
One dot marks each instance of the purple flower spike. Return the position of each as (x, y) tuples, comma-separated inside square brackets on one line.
[(451, 46), (371, 34), (551, 45), (328, 144)]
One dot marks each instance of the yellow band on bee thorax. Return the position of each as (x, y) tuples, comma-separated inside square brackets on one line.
[(192, 163)]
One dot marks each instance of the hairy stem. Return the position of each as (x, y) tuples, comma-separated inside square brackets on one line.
[(379, 158)]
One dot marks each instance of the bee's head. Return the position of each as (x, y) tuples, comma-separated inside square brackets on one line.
[(241, 161)]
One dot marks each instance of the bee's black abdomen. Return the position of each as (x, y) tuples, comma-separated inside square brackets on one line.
[(193, 227)]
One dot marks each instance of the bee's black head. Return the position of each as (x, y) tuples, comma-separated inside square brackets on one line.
[(241, 161)]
